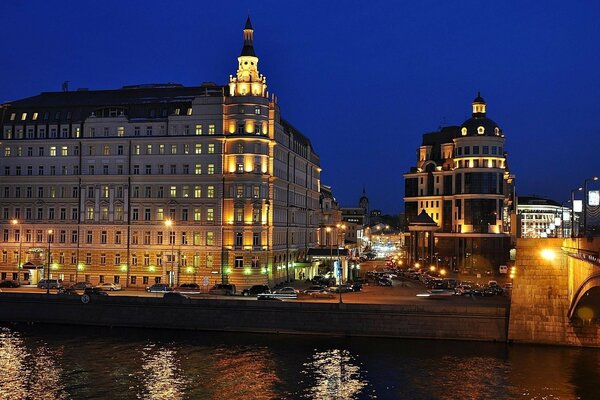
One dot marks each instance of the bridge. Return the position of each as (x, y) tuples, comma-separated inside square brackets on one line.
[(556, 292)]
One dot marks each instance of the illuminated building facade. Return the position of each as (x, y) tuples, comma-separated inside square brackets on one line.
[(538, 217), (105, 170), (461, 183)]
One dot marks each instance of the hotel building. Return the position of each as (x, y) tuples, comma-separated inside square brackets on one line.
[(157, 183)]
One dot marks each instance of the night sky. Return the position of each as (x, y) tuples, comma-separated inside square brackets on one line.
[(363, 80)]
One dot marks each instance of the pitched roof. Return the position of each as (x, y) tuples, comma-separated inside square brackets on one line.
[(423, 219)]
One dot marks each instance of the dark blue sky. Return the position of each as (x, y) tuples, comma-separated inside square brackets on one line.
[(364, 80)]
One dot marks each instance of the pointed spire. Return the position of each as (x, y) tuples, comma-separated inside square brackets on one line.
[(248, 49)]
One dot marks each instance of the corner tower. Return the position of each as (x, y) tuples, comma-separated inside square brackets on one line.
[(248, 81)]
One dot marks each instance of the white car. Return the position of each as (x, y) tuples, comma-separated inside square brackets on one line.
[(109, 286), (286, 290)]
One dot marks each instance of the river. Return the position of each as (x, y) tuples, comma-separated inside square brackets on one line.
[(69, 362)]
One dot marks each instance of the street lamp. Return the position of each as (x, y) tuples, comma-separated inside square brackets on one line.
[(343, 228), (573, 210), (16, 222), (48, 274), (169, 224), (585, 201)]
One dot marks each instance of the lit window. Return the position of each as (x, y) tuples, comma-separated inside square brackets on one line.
[(120, 131), (35, 116), (198, 129), (197, 191), (210, 214), (211, 148), (198, 148), (64, 151), (480, 130), (464, 131), (211, 129), (13, 116), (23, 116), (52, 151), (173, 191), (497, 131), (211, 169), (198, 169), (189, 111), (210, 192)]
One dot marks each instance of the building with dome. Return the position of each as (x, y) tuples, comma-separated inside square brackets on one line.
[(157, 183), (461, 183)]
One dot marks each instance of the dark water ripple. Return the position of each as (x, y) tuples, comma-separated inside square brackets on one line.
[(49, 362)]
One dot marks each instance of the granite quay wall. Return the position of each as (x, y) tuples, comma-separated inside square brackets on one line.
[(542, 293), (431, 321)]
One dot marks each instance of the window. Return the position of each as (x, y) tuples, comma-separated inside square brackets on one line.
[(148, 131), (239, 262), (118, 237), (211, 148), (197, 191), (136, 131), (198, 148), (239, 239), (210, 192), (211, 169), (211, 129), (210, 214), (198, 129), (210, 238), (173, 191), (256, 239), (198, 169)]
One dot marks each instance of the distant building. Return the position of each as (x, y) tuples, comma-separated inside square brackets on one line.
[(358, 215), (93, 176), (462, 183), (539, 217)]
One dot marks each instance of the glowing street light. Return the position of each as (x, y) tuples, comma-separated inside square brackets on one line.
[(48, 274), (548, 254), (169, 224)]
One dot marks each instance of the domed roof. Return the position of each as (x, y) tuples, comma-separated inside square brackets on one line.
[(479, 124)]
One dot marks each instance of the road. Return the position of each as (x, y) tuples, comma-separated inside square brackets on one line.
[(402, 291)]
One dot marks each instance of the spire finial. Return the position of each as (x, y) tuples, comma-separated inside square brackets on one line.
[(248, 23)]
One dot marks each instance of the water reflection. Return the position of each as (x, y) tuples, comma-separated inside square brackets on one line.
[(160, 376), (332, 374), (24, 375), (45, 362)]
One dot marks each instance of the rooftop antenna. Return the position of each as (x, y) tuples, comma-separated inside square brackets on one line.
[(65, 86)]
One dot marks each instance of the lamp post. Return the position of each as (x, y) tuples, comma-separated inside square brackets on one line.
[(341, 227), (573, 211), (585, 201), (169, 224), (16, 222), (48, 274)]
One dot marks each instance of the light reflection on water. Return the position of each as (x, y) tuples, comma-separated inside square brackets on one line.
[(333, 374), (45, 362)]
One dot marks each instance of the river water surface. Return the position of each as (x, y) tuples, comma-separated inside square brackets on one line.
[(50, 362)]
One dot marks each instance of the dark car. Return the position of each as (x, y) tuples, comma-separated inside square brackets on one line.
[(92, 291), (188, 288), (81, 285), (49, 283), (9, 284), (256, 290), (158, 288), (384, 282), (175, 297), (68, 291), (225, 289)]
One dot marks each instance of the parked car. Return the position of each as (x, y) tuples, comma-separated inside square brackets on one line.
[(384, 282), (92, 291), (188, 288), (108, 286), (175, 296), (323, 293), (68, 291), (342, 288), (10, 284), (256, 290), (314, 288), (287, 290), (81, 285), (49, 283), (158, 288), (463, 290), (225, 289)]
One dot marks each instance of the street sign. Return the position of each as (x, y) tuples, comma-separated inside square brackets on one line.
[(594, 198), (205, 281)]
